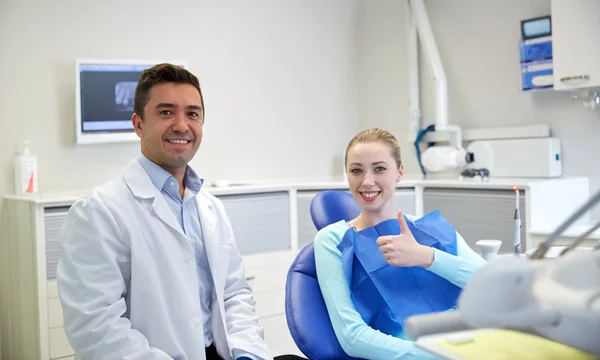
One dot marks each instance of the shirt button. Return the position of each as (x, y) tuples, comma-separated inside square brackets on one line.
[(172, 183), (197, 321)]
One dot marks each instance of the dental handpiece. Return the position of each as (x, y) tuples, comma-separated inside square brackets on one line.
[(517, 229)]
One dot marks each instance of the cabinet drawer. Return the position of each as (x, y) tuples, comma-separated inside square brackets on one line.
[(479, 214), (270, 303), (58, 343), (260, 222)]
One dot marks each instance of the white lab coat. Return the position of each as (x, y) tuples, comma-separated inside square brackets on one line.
[(127, 277)]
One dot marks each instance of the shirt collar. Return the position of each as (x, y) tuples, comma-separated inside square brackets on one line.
[(160, 176)]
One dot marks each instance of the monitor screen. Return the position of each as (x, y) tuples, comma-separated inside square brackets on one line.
[(105, 95)]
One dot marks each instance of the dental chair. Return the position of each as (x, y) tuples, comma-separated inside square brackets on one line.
[(305, 309)]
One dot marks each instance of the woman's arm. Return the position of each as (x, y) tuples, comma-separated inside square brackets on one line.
[(356, 338), (460, 268)]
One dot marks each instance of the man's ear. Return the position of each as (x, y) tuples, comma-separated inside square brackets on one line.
[(137, 122)]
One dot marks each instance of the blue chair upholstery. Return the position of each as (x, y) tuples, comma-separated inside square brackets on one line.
[(331, 206), (305, 309)]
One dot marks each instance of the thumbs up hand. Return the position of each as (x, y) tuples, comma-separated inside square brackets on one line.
[(403, 250)]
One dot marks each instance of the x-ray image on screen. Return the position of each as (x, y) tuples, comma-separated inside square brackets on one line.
[(124, 95)]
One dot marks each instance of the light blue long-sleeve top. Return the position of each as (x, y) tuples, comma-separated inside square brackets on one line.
[(186, 213), (357, 338)]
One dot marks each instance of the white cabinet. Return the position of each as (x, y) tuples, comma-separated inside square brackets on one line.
[(261, 223), (576, 43)]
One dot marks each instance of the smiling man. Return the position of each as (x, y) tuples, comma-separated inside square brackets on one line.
[(149, 267)]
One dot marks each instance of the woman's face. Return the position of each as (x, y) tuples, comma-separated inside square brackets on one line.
[(372, 175)]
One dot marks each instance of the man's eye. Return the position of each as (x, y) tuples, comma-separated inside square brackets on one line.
[(193, 114), (166, 112)]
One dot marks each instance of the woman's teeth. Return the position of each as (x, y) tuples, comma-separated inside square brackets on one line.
[(370, 194)]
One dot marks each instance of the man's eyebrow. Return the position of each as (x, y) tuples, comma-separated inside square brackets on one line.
[(165, 105), (172, 106)]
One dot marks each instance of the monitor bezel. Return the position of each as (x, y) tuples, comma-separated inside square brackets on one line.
[(83, 138)]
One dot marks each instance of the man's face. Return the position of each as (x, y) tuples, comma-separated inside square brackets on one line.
[(171, 130)]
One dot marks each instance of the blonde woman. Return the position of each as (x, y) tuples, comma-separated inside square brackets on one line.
[(383, 266)]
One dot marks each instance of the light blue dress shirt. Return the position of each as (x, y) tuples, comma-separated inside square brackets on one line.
[(186, 213)]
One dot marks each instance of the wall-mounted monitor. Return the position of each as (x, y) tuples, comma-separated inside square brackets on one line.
[(104, 92)]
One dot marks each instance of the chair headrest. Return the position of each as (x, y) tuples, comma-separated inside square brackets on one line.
[(331, 206)]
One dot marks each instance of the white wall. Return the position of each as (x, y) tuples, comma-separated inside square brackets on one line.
[(478, 43), (278, 79)]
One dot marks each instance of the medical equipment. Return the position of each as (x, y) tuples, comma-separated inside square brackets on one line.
[(104, 96), (556, 298), (536, 28), (440, 158), (517, 238), (471, 173), (488, 248), (534, 158), (434, 158)]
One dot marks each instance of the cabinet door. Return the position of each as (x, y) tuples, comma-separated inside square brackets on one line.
[(479, 214), (306, 228), (405, 201), (260, 222), (54, 217), (576, 43)]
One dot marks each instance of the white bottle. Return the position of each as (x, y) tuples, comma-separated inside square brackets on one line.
[(26, 174)]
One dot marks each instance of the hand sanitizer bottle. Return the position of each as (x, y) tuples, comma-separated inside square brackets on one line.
[(26, 172)]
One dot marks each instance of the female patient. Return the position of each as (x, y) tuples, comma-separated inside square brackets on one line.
[(382, 267)]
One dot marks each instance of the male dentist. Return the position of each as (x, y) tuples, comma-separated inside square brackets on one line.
[(149, 267)]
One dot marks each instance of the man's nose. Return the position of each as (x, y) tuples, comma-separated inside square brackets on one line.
[(180, 124)]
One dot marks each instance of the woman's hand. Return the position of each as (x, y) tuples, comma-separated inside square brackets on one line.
[(404, 250)]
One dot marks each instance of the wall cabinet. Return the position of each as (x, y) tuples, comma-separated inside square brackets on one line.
[(576, 43)]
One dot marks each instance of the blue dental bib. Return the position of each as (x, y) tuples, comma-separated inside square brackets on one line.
[(386, 295)]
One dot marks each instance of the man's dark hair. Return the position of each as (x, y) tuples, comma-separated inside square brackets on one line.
[(158, 74)]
